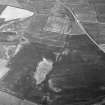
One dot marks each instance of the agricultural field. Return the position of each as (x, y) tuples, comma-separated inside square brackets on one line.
[(52, 52)]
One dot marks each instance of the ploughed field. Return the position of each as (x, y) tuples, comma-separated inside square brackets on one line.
[(53, 54)]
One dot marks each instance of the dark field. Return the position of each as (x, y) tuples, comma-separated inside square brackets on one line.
[(80, 74)]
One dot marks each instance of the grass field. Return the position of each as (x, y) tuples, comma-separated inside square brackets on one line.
[(10, 2)]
